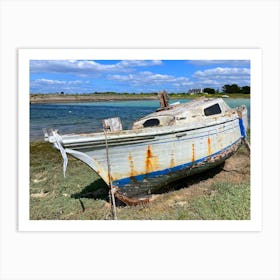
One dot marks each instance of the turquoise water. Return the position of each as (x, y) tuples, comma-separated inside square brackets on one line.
[(87, 116)]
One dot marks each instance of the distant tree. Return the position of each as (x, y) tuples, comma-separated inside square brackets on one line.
[(246, 90), (225, 88), (234, 88), (209, 90)]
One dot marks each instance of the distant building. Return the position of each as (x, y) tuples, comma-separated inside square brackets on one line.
[(195, 91)]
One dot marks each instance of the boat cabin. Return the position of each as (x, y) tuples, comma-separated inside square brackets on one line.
[(191, 112)]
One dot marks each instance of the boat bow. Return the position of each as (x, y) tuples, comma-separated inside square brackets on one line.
[(56, 139)]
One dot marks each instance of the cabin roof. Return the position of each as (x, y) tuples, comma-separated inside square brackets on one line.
[(182, 113), (190, 106)]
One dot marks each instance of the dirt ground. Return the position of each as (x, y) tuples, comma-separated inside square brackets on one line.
[(235, 170)]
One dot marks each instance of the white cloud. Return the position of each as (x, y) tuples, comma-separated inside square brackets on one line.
[(151, 79), (48, 82), (220, 76), (125, 76), (87, 67), (55, 82), (139, 63), (77, 82), (229, 63), (215, 78), (219, 71), (149, 82), (48, 85)]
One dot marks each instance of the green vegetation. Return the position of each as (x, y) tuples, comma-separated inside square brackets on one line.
[(226, 201), (229, 89), (218, 194), (234, 88), (233, 91), (217, 95), (210, 91)]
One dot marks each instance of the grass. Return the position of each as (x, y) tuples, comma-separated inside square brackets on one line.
[(223, 201), (54, 197), (226, 202), (82, 195)]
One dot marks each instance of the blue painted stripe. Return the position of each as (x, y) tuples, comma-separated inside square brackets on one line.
[(242, 128), (125, 181)]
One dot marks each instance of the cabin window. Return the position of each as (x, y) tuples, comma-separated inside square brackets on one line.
[(212, 110), (151, 122)]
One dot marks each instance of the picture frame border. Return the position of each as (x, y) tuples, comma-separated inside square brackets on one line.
[(24, 57)]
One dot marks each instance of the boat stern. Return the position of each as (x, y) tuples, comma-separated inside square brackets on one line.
[(243, 120)]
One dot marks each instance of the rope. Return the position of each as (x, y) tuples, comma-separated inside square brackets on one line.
[(111, 189)]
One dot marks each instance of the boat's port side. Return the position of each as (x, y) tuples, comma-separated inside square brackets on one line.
[(144, 167), (153, 182), (167, 151)]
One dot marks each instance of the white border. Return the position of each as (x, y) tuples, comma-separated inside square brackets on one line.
[(254, 55)]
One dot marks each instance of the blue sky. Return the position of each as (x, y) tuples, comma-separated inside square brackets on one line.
[(87, 76)]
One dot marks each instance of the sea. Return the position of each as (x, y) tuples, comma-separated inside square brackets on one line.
[(83, 117)]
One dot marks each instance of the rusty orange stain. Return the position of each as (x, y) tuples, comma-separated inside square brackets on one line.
[(108, 179), (172, 161), (209, 146), (151, 162), (131, 165), (193, 153)]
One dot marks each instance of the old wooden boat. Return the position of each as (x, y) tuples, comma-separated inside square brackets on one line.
[(175, 141)]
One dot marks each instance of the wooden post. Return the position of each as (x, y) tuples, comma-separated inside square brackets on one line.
[(164, 100), (111, 189)]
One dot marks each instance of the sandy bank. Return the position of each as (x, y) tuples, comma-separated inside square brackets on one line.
[(56, 98)]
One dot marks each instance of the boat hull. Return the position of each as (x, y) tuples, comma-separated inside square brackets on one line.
[(145, 163), (155, 182)]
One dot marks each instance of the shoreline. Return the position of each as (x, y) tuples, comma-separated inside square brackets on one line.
[(37, 99), (69, 98)]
